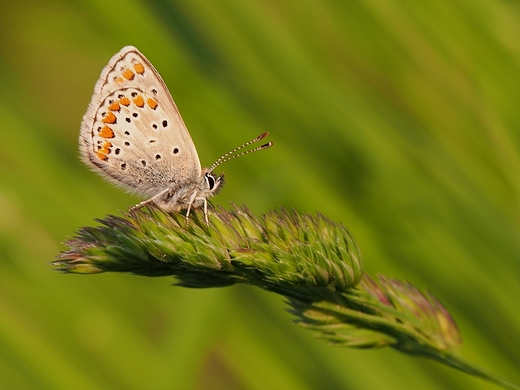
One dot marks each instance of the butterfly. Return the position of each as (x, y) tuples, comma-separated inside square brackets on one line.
[(133, 135)]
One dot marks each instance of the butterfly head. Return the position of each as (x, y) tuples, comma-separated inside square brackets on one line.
[(213, 182)]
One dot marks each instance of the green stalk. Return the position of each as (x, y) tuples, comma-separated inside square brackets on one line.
[(310, 260)]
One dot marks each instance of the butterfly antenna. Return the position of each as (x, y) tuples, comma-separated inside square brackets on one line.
[(230, 155)]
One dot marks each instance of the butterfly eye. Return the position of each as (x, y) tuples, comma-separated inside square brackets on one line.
[(210, 179)]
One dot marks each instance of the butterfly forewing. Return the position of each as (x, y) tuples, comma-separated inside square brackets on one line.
[(133, 128)]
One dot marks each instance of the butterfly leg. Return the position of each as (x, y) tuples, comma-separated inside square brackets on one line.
[(206, 211), (145, 202), (192, 199)]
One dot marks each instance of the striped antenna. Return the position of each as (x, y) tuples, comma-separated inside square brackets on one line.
[(230, 156)]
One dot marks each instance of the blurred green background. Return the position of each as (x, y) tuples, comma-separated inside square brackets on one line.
[(400, 119)]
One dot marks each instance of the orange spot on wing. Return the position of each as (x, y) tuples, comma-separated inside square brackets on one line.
[(109, 118), (105, 149), (139, 101), (124, 101), (152, 103), (128, 74), (106, 132), (114, 106), (139, 68), (118, 80)]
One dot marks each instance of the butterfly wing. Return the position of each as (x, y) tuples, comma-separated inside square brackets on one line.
[(133, 133)]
